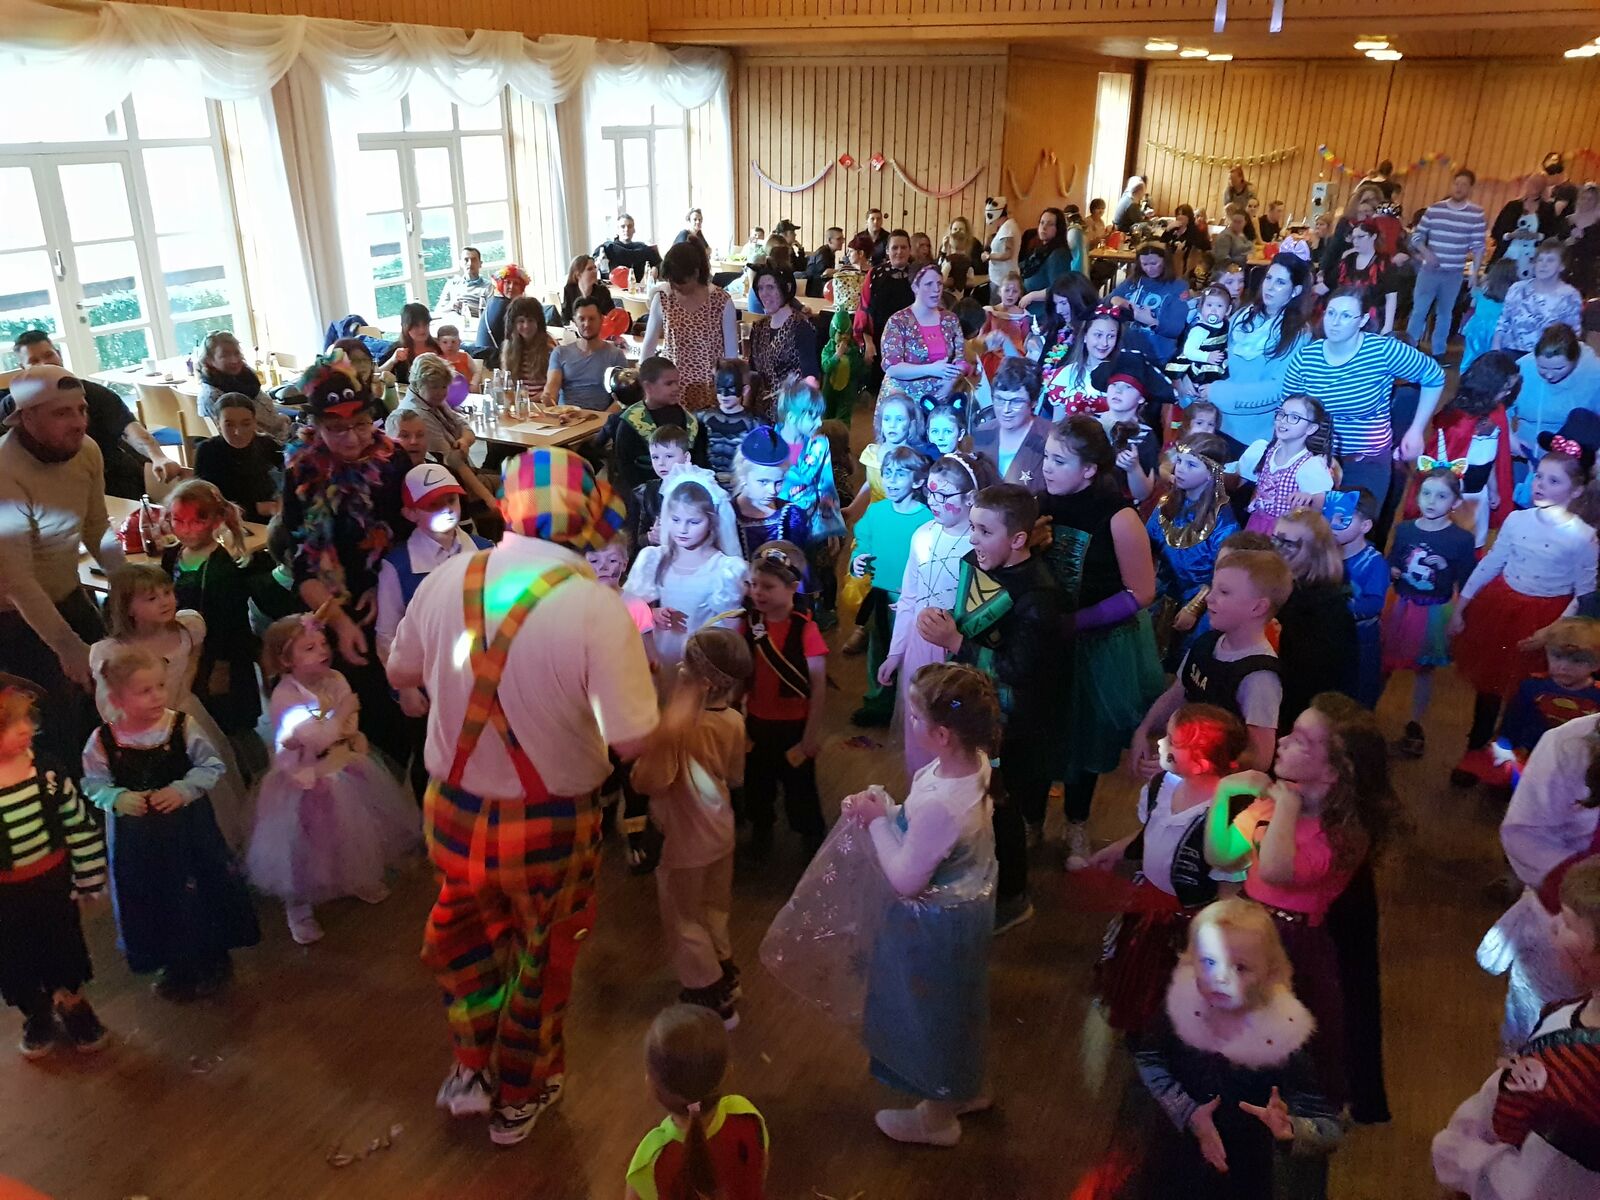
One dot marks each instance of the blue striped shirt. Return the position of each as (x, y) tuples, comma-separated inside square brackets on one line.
[(1356, 393), (1453, 234)]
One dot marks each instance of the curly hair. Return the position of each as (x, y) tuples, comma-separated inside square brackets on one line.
[(1361, 812)]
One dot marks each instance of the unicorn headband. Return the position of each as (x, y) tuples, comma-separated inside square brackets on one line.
[(1458, 466)]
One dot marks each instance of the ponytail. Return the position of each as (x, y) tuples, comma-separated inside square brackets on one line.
[(699, 1181)]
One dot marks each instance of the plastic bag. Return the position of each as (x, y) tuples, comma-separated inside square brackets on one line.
[(821, 942)]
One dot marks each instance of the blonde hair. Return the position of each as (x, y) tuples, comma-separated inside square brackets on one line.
[(127, 585), (280, 636), (1570, 637), (1237, 916), (1580, 891), (428, 369), (1323, 561), (210, 504), (125, 662), (1269, 575)]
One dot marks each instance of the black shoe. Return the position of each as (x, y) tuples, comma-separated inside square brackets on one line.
[(1462, 779), (715, 997), (83, 1027), (1412, 743), (179, 989), (1011, 912), (869, 718), (39, 1034), (730, 979)]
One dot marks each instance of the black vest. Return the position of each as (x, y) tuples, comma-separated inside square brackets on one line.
[(891, 291), (1210, 680)]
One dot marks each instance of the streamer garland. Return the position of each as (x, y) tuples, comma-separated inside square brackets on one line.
[(785, 188), (937, 195), (1046, 158), (1215, 160), (877, 161)]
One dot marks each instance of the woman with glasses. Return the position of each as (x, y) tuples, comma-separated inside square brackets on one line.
[(1011, 441), (341, 510), (1317, 650), (1353, 374)]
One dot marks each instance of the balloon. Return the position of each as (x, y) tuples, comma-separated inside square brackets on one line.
[(460, 386)]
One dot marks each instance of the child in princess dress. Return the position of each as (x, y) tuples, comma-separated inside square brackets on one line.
[(329, 819)]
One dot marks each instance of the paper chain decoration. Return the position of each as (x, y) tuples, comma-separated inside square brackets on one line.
[(1217, 160), (877, 162)]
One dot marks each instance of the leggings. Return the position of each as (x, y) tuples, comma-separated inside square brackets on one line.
[(1079, 796), (1023, 789)]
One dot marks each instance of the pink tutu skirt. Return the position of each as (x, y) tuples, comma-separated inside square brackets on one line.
[(1414, 634), (333, 839)]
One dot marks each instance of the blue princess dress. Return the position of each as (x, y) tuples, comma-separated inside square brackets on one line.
[(926, 1023)]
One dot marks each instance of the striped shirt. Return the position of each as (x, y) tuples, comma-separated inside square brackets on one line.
[(1454, 234), (31, 847), (1356, 393)]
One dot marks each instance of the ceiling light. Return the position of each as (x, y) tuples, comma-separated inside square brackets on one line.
[(1193, 52), (1229, 57), (1157, 46), (1373, 44), (1385, 55)]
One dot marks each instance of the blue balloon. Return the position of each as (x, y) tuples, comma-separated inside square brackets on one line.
[(460, 388)]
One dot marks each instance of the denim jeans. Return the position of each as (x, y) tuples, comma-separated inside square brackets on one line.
[(1436, 288)]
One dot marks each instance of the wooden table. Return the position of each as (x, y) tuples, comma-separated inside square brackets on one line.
[(535, 432), (92, 577), (638, 303), (170, 373)]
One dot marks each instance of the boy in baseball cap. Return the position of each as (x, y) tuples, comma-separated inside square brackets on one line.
[(431, 500)]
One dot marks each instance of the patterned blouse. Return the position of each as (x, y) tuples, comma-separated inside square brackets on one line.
[(903, 342), (778, 351), (692, 339), (1529, 312)]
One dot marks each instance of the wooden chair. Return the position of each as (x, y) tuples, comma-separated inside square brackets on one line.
[(158, 406)]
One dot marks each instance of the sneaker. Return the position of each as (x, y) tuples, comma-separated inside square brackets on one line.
[(512, 1123), (730, 979), (303, 927), (918, 1125), (717, 998), (376, 894), (83, 1027), (1078, 848), (1412, 743), (39, 1033), (856, 643), (465, 1092), (1011, 912)]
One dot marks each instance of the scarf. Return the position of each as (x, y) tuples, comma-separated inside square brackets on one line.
[(335, 493), (245, 382), (1033, 262)]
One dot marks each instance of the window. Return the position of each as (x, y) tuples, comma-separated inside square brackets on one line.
[(643, 170), (119, 240), (435, 181)]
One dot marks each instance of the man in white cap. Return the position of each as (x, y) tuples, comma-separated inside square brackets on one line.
[(52, 501)]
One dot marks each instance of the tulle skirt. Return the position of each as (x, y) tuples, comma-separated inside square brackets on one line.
[(1116, 677), (919, 653), (333, 839), (230, 799), (1498, 618), (1414, 634), (1522, 942)]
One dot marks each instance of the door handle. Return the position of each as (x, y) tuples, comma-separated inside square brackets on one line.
[(61, 267)]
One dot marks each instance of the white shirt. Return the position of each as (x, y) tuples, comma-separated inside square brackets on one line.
[(1539, 556), (576, 679), (1312, 476), (939, 813), (1545, 824), (426, 554)]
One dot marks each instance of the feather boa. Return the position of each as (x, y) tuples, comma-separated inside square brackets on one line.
[(332, 491)]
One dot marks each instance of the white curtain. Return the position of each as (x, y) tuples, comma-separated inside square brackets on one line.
[(291, 76), (239, 56)]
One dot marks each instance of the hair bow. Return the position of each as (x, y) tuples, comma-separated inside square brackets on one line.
[(1565, 445), (1114, 312), (1456, 466)]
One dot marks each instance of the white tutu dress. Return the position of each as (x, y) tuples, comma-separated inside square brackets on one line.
[(933, 569), (329, 818), (230, 798)]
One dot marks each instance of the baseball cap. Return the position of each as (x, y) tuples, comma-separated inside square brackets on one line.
[(428, 484), (39, 384)]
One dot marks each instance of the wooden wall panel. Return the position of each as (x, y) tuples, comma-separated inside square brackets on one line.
[(624, 19), (941, 119), (1050, 105), (1498, 117)]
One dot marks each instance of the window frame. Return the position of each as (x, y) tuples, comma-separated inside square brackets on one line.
[(612, 137)]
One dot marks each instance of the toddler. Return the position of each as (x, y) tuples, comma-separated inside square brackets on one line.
[(329, 820), (688, 773), (449, 339), (1565, 691), (180, 902), (710, 1144), (1203, 356), (51, 855)]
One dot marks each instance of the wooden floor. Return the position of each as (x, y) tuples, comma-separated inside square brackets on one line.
[(329, 1047)]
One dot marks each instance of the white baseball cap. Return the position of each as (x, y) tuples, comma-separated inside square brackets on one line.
[(39, 384), (426, 485)]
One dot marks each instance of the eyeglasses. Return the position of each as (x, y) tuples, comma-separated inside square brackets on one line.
[(1293, 420), (1011, 402), (1287, 544), (944, 496)]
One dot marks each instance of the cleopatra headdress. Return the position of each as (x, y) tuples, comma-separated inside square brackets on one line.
[(1181, 537)]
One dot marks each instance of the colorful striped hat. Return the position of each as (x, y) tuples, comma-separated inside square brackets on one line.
[(550, 494)]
